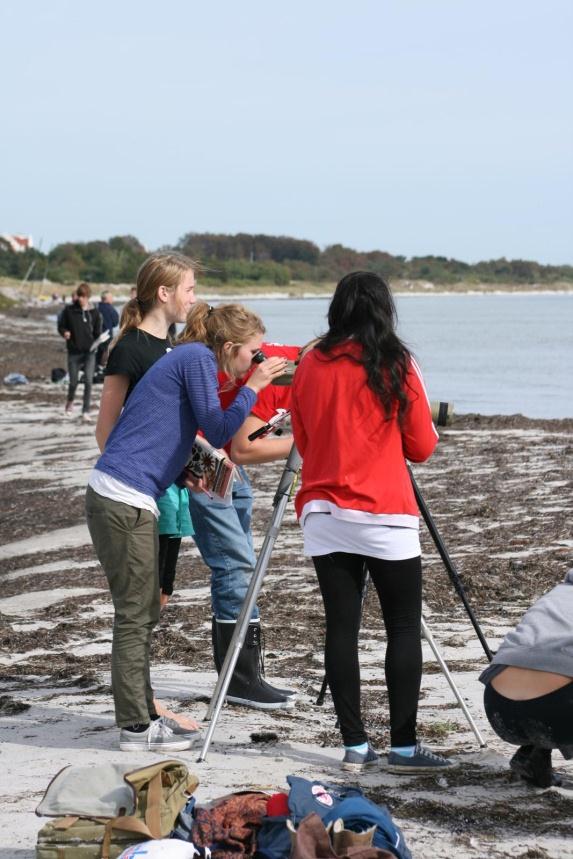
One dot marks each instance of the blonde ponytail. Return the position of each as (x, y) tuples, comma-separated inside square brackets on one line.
[(215, 326), (131, 316)]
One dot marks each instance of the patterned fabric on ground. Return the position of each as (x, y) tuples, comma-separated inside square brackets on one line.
[(229, 825)]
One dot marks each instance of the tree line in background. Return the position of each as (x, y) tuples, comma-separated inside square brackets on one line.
[(277, 260)]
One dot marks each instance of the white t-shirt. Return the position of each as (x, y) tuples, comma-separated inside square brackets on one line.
[(326, 531), (115, 490)]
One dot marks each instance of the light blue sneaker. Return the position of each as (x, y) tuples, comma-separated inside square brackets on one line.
[(422, 761), (356, 762)]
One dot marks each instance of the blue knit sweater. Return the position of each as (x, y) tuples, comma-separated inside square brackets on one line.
[(152, 440)]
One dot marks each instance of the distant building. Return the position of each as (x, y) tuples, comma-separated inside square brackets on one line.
[(17, 243)]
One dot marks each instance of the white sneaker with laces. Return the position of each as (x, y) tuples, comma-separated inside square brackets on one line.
[(159, 737)]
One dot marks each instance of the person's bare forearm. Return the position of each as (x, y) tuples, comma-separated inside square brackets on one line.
[(111, 404), (102, 432), (262, 450)]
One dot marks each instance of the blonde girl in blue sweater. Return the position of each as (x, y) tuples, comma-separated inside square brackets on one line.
[(146, 452)]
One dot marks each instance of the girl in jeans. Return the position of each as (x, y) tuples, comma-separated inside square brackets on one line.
[(359, 410), (145, 453)]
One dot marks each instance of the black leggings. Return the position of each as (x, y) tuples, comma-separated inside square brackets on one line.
[(168, 555), (399, 588), (545, 722)]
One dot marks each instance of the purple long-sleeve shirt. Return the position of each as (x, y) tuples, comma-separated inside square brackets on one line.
[(152, 440)]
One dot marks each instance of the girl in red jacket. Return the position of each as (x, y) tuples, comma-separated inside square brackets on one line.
[(359, 411)]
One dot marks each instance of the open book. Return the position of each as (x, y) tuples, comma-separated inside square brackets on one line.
[(103, 338), (217, 471)]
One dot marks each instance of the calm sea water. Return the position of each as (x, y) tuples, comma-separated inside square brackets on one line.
[(492, 354)]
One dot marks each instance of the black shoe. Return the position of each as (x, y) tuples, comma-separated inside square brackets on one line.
[(247, 687), (422, 761), (533, 765)]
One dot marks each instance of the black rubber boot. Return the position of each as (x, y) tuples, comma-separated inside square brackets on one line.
[(247, 688), (286, 693), (258, 638)]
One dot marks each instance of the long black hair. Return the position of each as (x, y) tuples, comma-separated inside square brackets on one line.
[(363, 310)]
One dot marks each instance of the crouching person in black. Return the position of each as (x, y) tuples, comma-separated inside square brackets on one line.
[(528, 697)]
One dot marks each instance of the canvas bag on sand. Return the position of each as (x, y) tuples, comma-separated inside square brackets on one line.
[(101, 810)]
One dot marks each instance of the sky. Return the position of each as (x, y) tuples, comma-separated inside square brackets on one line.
[(417, 127)]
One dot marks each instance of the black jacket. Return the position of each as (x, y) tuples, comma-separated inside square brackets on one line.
[(84, 325)]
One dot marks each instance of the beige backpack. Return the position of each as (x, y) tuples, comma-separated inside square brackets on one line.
[(100, 811)]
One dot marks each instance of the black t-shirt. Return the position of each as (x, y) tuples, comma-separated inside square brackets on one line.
[(134, 354)]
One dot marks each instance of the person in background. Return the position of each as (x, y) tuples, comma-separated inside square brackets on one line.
[(528, 695), (110, 320), (146, 452), (359, 410), (80, 324)]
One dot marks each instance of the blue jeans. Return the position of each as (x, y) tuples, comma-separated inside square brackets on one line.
[(223, 536)]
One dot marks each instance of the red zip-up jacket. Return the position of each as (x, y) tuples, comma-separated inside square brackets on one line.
[(352, 455)]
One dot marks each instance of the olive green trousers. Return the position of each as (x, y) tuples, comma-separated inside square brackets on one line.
[(126, 543)]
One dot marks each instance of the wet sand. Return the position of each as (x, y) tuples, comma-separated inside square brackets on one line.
[(499, 489)]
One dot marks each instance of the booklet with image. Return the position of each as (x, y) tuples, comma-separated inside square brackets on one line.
[(214, 467)]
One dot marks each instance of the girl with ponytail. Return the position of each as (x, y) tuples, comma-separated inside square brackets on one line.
[(163, 295), (165, 292)]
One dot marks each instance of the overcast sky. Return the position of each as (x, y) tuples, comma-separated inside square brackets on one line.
[(414, 126)]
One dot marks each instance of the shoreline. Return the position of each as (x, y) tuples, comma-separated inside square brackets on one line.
[(35, 294), (37, 323)]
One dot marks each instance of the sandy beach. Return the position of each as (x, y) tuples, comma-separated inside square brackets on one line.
[(499, 489)]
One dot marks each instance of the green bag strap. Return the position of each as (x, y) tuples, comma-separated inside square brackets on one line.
[(128, 824), (154, 800)]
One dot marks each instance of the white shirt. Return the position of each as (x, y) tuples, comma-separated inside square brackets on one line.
[(115, 490), (326, 532)]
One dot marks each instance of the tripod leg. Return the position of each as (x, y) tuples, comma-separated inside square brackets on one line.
[(448, 563), (322, 694), (446, 671), (226, 673)]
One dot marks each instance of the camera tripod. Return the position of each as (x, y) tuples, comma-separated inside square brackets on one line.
[(280, 501)]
